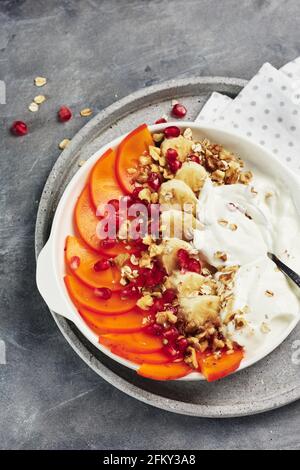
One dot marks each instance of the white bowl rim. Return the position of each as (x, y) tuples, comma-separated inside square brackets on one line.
[(47, 255)]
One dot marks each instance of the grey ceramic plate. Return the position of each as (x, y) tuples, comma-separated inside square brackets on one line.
[(271, 383)]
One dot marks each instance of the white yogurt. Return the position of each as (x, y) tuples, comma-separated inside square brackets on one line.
[(272, 224)]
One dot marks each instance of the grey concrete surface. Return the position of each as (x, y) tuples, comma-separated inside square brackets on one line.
[(93, 52)]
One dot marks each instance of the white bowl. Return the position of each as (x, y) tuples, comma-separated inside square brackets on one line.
[(51, 262)]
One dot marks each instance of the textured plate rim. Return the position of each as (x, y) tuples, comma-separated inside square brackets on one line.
[(129, 104)]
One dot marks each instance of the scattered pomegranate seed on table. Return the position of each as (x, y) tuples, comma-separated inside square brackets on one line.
[(19, 128), (160, 120), (64, 114), (178, 110)]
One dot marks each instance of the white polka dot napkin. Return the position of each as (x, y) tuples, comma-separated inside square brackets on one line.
[(267, 110)]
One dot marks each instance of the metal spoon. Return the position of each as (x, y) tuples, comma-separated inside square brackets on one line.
[(283, 267)]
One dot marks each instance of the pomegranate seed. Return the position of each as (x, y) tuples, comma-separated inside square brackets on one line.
[(158, 305), (154, 181), (183, 258), (171, 155), (129, 291), (195, 158), (179, 110), (171, 334), (194, 266), (182, 344), (103, 293), (173, 309), (169, 295), (127, 200), (135, 193), (102, 265), (115, 203), (171, 351), (174, 166), (160, 121), (108, 243), (64, 114), (75, 262), (171, 131), (19, 128), (155, 329)]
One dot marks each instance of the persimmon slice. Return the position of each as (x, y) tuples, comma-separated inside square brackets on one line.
[(75, 249), (139, 342), (86, 220), (103, 183), (128, 153), (170, 371), (125, 323), (86, 297), (86, 223), (158, 357), (215, 369)]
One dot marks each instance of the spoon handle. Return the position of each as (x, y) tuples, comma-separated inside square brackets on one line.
[(283, 267)]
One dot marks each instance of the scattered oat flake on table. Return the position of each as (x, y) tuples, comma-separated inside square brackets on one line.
[(40, 81), (86, 112), (33, 107), (64, 144), (39, 99), (81, 162)]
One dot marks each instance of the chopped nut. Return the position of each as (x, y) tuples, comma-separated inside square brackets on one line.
[(39, 99), (40, 81), (158, 137), (121, 259), (134, 260), (246, 177), (131, 171), (145, 302), (269, 293), (264, 328), (33, 107), (145, 160), (233, 227), (218, 176), (86, 112), (147, 240), (145, 195), (191, 357), (166, 317), (221, 255), (223, 222), (64, 144), (188, 133), (218, 343), (155, 250), (154, 152), (154, 198), (145, 261)]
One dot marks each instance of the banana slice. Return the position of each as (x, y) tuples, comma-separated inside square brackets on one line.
[(193, 174), (168, 257), (177, 194), (178, 224), (198, 310), (191, 284), (180, 144)]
